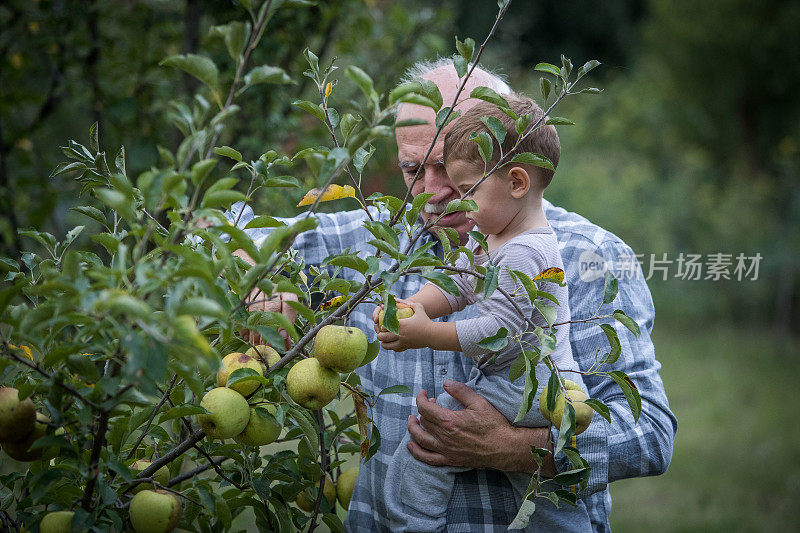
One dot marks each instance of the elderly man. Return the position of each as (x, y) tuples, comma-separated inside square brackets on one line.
[(479, 436)]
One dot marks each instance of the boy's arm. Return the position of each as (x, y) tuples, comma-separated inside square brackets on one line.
[(419, 331), (433, 300)]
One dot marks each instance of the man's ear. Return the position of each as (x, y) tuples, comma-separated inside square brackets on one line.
[(519, 181)]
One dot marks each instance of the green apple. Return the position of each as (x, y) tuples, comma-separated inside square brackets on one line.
[(57, 522), (234, 361), (583, 413), (264, 353), (161, 475), (228, 413), (17, 418), (155, 511), (403, 311), (312, 385), (345, 485), (340, 348), (20, 451), (305, 500), (568, 384), (259, 430)]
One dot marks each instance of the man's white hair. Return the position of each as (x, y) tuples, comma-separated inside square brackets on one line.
[(419, 69)]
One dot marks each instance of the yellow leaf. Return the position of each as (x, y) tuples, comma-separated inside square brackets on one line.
[(333, 192), (328, 89), (554, 275), (25, 350), (333, 302)]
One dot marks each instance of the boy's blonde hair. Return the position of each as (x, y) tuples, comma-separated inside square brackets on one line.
[(543, 140)]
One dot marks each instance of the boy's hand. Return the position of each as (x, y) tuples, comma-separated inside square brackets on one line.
[(415, 331)]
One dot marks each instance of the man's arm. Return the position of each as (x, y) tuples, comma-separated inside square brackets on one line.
[(477, 437)]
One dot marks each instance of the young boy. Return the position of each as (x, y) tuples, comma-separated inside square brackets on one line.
[(519, 238)]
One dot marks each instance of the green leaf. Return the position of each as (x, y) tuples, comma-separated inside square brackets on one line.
[(351, 261), (307, 424), (611, 288), (613, 341), (545, 88), (529, 393), (312, 108), (200, 67), (496, 342), (246, 374), (396, 389), (363, 81), (527, 284), (116, 201), (466, 48), (572, 477), (489, 95), (529, 158), (547, 311), (372, 352), (460, 65), (443, 112), (524, 515), (266, 74), (91, 212), (227, 151), (479, 238), (586, 68), (497, 128), (221, 198), (629, 390), (418, 99), (559, 121), (181, 410), (491, 280), (461, 205), (517, 368), (600, 407), (549, 68), (627, 321), (390, 321), (402, 90), (264, 221), (201, 306), (484, 145), (443, 281)]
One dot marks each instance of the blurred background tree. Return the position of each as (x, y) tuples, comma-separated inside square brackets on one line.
[(694, 147)]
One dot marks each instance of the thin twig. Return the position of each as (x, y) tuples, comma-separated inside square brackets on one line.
[(152, 416)]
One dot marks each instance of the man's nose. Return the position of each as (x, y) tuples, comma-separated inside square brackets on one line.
[(437, 182)]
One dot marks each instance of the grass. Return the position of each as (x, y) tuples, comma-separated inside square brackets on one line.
[(736, 461)]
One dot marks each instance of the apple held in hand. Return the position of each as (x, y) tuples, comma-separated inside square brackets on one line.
[(234, 361), (264, 353), (403, 311), (161, 475), (345, 485), (312, 385), (155, 511), (228, 413), (305, 500), (17, 418), (57, 522), (583, 413), (340, 348), (259, 430)]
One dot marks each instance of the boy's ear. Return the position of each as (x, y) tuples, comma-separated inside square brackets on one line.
[(519, 181)]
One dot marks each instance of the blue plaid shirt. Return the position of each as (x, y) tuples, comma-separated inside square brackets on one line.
[(482, 500)]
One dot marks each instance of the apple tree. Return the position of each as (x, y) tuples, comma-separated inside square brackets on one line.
[(155, 379)]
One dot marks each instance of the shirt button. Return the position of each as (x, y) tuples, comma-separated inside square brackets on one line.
[(444, 371)]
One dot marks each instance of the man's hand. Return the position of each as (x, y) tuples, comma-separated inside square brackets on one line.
[(277, 303), (476, 437)]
